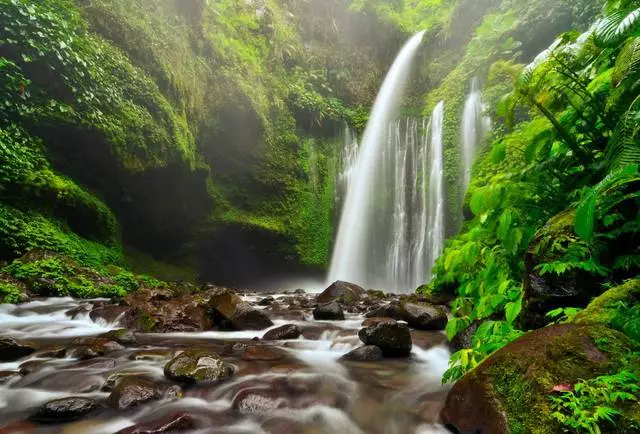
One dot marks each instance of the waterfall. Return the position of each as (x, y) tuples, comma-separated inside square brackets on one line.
[(474, 126), (435, 207), (358, 255), (346, 165)]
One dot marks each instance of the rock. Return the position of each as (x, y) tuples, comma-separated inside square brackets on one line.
[(603, 309), (262, 353), (343, 291), (424, 316), (19, 427), (197, 366), (330, 311), (113, 379), (367, 353), (267, 301), (463, 339), (64, 410), (8, 376), (393, 338), (542, 293), (171, 423), (10, 350), (231, 312), (418, 316), (508, 392), (89, 348), (132, 391), (258, 401), (121, 336), (373, 321), (287, 331)]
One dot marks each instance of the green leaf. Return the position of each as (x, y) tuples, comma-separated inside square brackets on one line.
[(512, 310), (586, 216)]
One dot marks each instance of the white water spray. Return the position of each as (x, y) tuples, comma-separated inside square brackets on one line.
[(435, 207), (353, 251), (474, 127)]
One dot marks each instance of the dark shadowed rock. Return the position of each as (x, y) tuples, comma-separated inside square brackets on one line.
[(267, 301), (393, 338), (171, 423), (367, 353), (464, 338), (64, 410), (11, 350), (343, 291), (330, 311), (509, 390), (132, 392), (287, 331), (424, 316), (197, 366)]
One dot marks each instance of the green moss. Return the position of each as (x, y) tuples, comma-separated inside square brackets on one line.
[(146, 322), (603, 309)]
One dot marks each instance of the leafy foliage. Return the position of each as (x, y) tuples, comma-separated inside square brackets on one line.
[(594, 404)]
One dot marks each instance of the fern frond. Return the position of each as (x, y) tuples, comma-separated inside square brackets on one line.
[(628, 62), (623, 148)]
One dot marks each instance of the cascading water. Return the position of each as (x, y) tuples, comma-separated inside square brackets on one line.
[(474, 126), (346, 165), (353, 251), (435, 206)]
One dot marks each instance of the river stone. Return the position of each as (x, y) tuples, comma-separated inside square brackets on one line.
[(509, 391), (367, 353), (424, 316), (393, 338), (171, 423), (344, 291), (133, 392), (231, 312), (10, 350), (197, 366), (287, 331), (64, 410), (121, 336), (258, 401), (330, 311)]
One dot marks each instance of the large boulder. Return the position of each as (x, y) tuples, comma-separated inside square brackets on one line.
[(198, 366), (232, 313), (10, 350), (419, 316), (545, 292), (393, 338), (64, 410), (509, 391), (604, 309), (328, 312), (343, 291)]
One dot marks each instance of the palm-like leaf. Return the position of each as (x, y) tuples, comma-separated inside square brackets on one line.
[(624, 145), (614, 28), (628, 62)]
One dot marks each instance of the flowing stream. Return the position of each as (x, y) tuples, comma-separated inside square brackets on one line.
[(356, 256), (297, 386)]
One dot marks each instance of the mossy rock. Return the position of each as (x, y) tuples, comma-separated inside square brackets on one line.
[(602, 310), (198, 366), (542, 293), (508, 392), (12, 291)]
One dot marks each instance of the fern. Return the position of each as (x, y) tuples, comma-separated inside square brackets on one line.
[(623, 148), (628, 62), (613, 28)]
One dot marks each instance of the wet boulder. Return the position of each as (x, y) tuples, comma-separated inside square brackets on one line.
[(424, 316), (392, 337), (366, 353), (64, 410), (121, 336), (341, 291), (198, 366), (329, 311), (542, 293), (508, 392), (88, 348), (11, 350), (265, 353), (232, 313), (133, 391), (287, 331), (258, 401)]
